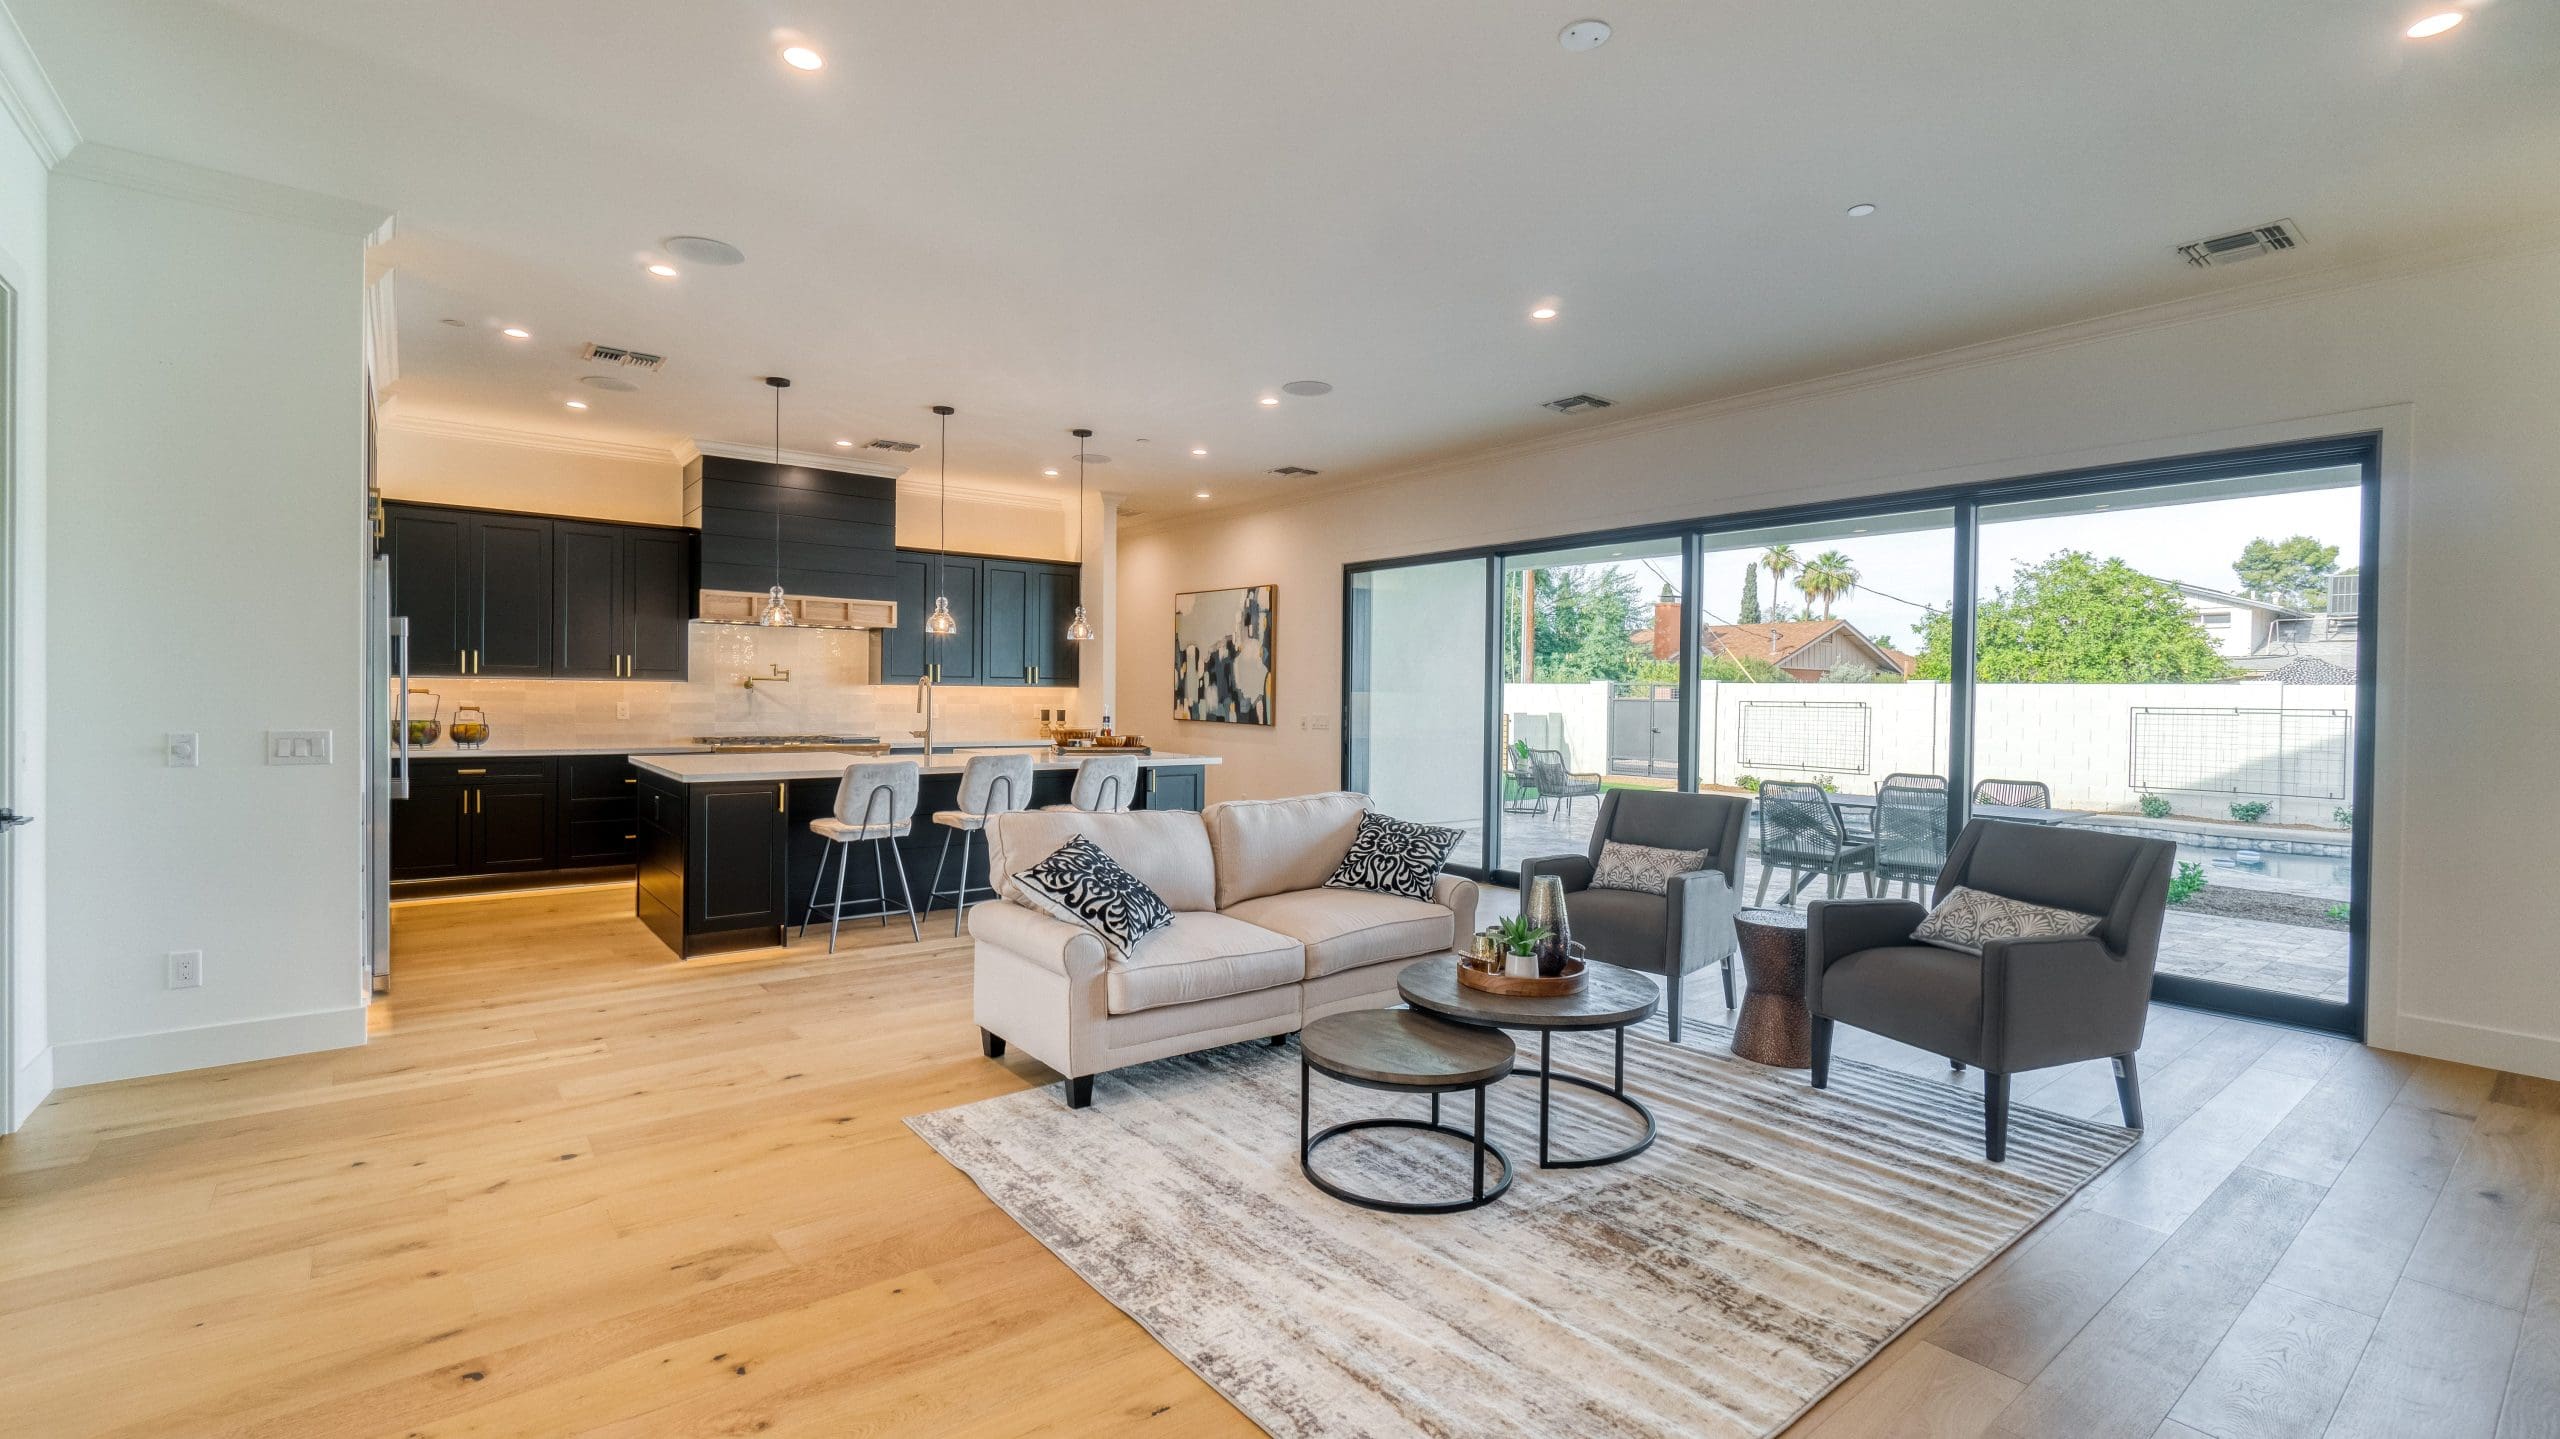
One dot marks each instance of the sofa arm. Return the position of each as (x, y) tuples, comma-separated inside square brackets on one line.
[(2059, 1000), (1457, 894), (1573, 869), (1837, 928), (1698, 930), (1067, 949)]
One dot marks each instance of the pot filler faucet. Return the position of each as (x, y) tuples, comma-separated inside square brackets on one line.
[(780, 676)]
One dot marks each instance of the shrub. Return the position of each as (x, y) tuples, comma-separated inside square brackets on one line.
[(2341, 913), (2250, 811), (1748, 783), (1829, 785), (2345, 815), (2187, 883), (2154, 807)]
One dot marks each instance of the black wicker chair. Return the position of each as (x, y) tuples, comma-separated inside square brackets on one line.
[(1910, 830), (1558, 784), (2017, 793), (1801, 832)]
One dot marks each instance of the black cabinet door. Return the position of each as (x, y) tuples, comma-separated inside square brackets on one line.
[(587, 588), (903, 651), (1060, 660), (1161, 788), (511, 825), (509, 568), (430, 584), (599, 810), (430, 832), (736, 849), (659, 597), (954, 660), (1009, 592)]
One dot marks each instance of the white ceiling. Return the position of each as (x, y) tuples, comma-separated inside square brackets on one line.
[(1143, 214)]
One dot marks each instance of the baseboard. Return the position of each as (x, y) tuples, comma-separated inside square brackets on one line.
[(33, 1082), (131, 1056), (2534, 1054)]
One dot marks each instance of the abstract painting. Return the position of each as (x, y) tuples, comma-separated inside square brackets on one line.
[(1222, 655)]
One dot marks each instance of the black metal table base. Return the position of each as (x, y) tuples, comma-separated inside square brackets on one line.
[(1480, 1197), (1615, 1089)]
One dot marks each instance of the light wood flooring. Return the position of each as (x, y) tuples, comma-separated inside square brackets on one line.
[(573, 1187)]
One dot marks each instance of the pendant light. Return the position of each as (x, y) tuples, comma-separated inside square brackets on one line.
[(776, 613), (941, 622), (1080, 629)]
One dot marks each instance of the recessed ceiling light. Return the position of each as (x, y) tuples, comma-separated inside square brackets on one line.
[(577, 404), (512, 333), (844, 444), (1306, 389), (615, 383), (703, 250), (801, 57), (1543, 312), (1198, 451), (1271, 399), (662, 269), (1862, 211), (2435, 25), (1199, 494), (1584, 35), (1053, 474), (450, 320)]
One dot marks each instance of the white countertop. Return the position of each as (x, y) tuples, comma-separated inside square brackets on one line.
[(764, 768), (446, 749)]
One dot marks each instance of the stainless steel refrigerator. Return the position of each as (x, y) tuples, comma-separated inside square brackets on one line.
[(386, 761)]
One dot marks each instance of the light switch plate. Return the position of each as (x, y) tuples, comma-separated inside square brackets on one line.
[(178, 749), (297, 746)]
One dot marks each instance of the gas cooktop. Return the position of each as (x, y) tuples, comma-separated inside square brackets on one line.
[(787, 741)]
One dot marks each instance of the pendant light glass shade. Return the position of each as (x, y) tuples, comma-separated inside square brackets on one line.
[(776, 613), (942, 621), (1080, 629)]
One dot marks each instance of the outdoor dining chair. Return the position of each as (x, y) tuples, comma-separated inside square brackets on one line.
[(2016, 793), (1911, 830), (1801, 832), (1558, 783)]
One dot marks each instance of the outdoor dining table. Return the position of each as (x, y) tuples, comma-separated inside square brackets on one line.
[(2023, 814)]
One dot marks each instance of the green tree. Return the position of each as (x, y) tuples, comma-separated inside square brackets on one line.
[(1732, 670), (2293, 571), (1826, 577), (1749, 613), (1779, 561), (2077, 619), (1587, 621)]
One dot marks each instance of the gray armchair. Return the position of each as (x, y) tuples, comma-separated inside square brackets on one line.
[(2022, 1004), (1674, 934)]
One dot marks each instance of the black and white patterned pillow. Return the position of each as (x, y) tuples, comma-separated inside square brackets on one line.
[(1394, 856), (1082, 885), (1643, 868), (1968, 919)]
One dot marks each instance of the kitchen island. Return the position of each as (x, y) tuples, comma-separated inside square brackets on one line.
[(727, 858)]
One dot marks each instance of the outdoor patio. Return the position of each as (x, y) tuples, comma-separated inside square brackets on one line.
[(2285, 958)]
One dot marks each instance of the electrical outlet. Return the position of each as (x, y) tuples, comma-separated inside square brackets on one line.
[(622, 709), (297, 746), (186, 968), (178, 749)]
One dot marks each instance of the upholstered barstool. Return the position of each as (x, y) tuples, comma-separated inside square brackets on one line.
[(1104, 783), (875, 801), (989, 784)]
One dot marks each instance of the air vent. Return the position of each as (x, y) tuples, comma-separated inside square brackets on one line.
[(628, 359), (1293, 470), (901, 446), (2242, 245), (1576, 404)]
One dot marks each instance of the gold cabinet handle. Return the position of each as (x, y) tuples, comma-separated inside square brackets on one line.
[(631, 836), (628, 779), (471, 771), (782, 798)]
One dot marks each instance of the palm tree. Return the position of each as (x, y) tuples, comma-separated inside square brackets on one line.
[(1779, 560), (1826, 577)]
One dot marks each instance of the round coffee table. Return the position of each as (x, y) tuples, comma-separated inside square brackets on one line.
[(1612, 1000), (1403, 1052), (1774, 1027)]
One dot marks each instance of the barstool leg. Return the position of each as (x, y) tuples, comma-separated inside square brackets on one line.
[(940, 860), (880, 870), (915, 927), (813, 889), (835, 922), (960, 900)]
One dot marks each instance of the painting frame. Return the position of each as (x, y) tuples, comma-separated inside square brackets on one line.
[(1226, 655)]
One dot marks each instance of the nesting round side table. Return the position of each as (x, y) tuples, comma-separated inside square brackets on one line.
[(1404, 1052), (1774, 1027)]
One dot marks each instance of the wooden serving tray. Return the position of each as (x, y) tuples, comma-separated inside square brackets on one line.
[(1576, 974)]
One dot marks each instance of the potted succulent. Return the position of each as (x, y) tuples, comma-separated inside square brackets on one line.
[(1520, 943)]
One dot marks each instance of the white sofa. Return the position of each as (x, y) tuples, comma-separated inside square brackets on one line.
[(1258, 946)]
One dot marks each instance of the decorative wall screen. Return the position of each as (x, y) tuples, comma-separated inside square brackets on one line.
[(2295, 754), (1828, 738)]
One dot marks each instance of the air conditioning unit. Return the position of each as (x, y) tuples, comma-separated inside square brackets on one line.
[(1577, 404), (901, 446), (2242, 245), (629, 359), (1294, 471)]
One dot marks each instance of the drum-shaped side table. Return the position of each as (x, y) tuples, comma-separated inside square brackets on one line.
[(1774, 1028), (1613, 999), (1403, 1052)]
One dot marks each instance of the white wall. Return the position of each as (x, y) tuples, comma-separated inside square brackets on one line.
[(2453, 362), (207, 566), (456, 470), (23, 1007)]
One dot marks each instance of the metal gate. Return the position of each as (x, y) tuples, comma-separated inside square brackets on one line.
[(1644, 737)]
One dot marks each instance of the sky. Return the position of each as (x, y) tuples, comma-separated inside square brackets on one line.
[(1900, 573)]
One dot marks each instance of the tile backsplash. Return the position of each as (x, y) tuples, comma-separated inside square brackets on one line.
[(824, 696)]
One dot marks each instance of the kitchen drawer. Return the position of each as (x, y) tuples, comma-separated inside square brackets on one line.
[(587, 842), (597, 777), (458, 769)]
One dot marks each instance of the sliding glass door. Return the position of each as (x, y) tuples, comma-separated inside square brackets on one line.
[(2181, 649)]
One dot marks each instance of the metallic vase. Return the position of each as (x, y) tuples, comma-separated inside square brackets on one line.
[(1543, 906)]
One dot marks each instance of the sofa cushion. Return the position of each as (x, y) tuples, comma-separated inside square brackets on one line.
[(1081, 885), (1347, 928), (1619, 926), (1201, 955), (1166, 850), (1274, 846)]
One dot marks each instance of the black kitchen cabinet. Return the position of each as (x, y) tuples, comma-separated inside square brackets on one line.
[(599, 811), (466, 817), (1012, 616), (838, 531), (1011, 595), (1173, 787), (904, 653), (490, 592), (1055, 659), (955, 657)]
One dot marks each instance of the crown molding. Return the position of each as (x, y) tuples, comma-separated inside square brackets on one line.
[(2241, 299), (839, 463), (178, 180), (27, 93), (400, 421)]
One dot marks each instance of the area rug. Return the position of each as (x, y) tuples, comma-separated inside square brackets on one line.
[(1770, 1242)]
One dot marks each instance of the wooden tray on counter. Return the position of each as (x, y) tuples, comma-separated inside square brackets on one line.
[(1535, 986)]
